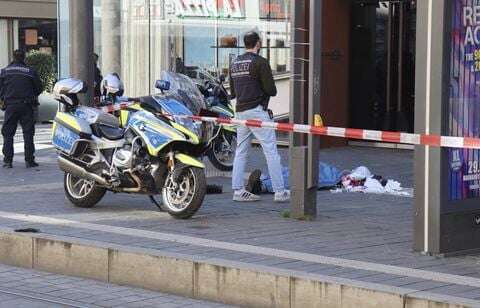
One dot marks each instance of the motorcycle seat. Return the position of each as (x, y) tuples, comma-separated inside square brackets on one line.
[(111, 133)]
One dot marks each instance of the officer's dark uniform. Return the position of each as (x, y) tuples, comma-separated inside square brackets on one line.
[(20, 87), (251, 81)]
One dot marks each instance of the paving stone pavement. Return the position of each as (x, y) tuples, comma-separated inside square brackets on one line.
[(34, 289), (43, 134), (43, 139), (374, 229)]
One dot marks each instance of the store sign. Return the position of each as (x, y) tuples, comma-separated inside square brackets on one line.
[(464, 102), (31, 37), (274, 9), (156, 11), (210, 8)]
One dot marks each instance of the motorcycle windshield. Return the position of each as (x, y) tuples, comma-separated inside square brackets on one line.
[(203, 74), (217, 95), (174, 107), (185, 90), (178, 110)]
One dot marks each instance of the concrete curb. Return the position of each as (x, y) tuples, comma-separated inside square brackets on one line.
[(234, 283)]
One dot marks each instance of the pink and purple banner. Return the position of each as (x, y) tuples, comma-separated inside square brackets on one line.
[(464, 102)]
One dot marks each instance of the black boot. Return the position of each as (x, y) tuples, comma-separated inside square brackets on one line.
[(31, 164), (7, 165), (254, 184)]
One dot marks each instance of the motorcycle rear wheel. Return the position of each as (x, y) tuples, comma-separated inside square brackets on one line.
[(222, 151), (184, 195), (82, 193)]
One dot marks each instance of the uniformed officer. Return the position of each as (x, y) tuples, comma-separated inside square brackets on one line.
[(252, 84), (20, 87)]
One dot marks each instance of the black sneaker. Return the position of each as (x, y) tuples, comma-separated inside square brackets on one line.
[(254, 184), (214, 189), (7, 165), (31, 164)]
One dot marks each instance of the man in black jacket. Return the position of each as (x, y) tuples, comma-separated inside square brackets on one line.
[(98, 78), (20, 87), (252, 84)]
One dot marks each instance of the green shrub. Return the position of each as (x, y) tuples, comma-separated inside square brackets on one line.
[(44, 65)]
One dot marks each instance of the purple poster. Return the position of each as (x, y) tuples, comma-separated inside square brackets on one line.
[(464, 103)]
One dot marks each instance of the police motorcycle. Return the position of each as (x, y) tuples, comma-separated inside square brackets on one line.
[(222, 151), (148, 156), (178, 101)]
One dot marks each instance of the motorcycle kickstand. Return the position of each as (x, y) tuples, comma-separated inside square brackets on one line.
[(152, 199)]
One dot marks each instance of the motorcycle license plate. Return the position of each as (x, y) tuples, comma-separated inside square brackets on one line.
[(64, 138)]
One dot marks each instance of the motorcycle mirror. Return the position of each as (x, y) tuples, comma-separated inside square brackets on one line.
[(222, 78), (162, 85)]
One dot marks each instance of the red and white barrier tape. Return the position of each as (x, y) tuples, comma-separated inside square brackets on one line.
[(350, 133), (116, 107), (360, 134)]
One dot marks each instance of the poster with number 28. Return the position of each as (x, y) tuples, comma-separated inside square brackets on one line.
[(464, 100)]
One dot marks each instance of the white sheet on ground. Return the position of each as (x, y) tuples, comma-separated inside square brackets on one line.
[(371, 185)]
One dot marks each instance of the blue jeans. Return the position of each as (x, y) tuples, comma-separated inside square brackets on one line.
[(268, 141)]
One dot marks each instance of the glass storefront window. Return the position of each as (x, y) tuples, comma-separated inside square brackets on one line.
[(33, 35), (63, 39), (4, 50), (135, 42), (122, 41), (140, 38), (229, 46), (274, 9), (27, 34), (38, 35), (199, 40)]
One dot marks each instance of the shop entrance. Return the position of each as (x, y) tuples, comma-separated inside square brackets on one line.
[(382, 76)]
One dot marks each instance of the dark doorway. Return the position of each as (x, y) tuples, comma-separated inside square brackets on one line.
[(382, 82), (335, 66)]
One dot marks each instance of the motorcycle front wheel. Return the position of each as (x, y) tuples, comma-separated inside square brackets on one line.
[(184, 191), (222, 151), (82, 193)]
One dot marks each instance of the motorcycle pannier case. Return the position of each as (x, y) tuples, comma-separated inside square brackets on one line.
[(70, 133)]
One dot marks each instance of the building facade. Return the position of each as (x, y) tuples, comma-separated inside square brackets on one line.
[(27, 25), (139, 38), (368, 49)]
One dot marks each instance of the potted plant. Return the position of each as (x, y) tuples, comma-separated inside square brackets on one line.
[(44, 65)]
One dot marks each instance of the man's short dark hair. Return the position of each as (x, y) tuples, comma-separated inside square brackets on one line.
[(251, 39), (19, 55)]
